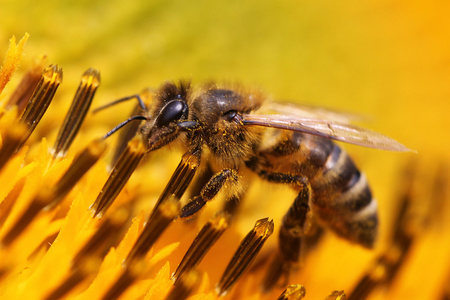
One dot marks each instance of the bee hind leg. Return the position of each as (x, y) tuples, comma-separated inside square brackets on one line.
[(293, 231)]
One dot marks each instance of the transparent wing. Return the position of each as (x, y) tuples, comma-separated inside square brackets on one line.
[(311, 112), (335, 130)]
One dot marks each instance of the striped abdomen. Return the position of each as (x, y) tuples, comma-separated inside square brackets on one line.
[(341, 199)]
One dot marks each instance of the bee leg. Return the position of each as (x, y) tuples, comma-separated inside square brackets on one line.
[(208, 192), (199, 182), (292, 235), (294, 228)]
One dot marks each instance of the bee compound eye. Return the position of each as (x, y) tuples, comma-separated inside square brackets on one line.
[(172, 111)]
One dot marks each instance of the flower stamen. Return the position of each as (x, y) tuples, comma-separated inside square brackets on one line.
[(184, 286), (205, 239), (293, 292), (15, 137), (90, 81), (49, 198), (119, 176), (245, 254)]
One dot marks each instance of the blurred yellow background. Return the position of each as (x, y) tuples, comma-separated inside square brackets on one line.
[(386, 60)]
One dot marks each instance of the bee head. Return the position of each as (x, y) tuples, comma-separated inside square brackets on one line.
[(171, 108)]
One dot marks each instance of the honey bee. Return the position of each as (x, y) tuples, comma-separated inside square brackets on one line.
[(235, 130)]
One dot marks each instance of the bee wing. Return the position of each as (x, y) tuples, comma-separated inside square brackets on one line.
[(312, 112), (334, 130)]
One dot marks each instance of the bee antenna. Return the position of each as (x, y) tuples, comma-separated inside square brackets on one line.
[(137, 97), (133, 118)]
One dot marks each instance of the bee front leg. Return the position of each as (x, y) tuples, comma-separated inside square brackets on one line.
[(209, 191)]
